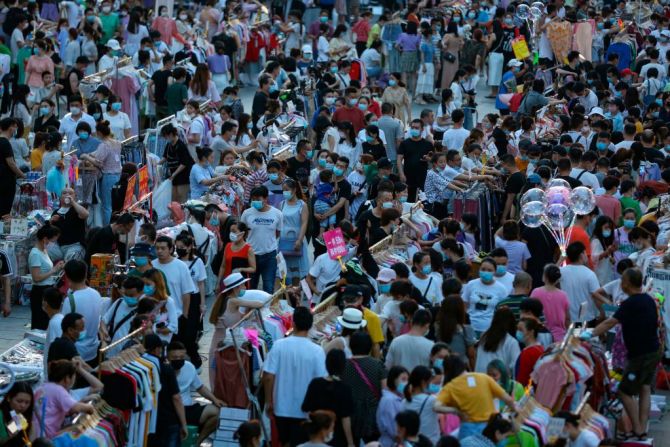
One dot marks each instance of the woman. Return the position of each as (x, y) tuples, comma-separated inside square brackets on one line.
[(20, 148), (72, 49), (391, 404), (408, 44), (390, 221), (497, 370), (226, 312), (89, 48), (119, 121), (602, 249), (42, 271), (86, 142), (292, 242), (407, 429), (338, 46), (53, 401), (451, 328), (418, 399), (107, 158), (373, 144), (482, 295), (457, 88), (179, 163), (396, 95), (644, 241), (320, 427), (526, 333), (45, 117), (424, 87), (244, 137), (165, 319), (198, 133), (259, 173), (135, 32), (37, 64), (324, 160), (367, 377), (497, 343), (443, 115), (497, 430), (39, 149), (555, 302), (20, 109), (219, 65), (202, 173), (625, 247), (202, 88), (507, 237), (18, 401), (238, 256), (330, 393), (350, 322), (471, 394), (437, 187), (423, 278), (451, 46), (249, 434)]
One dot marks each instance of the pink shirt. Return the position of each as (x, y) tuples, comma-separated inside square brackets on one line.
[(609, 206), (556, 307), (56, 403), (35, 67), (168, 29), (361, 29)]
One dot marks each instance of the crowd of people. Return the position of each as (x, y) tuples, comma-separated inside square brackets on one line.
[(438, 348)]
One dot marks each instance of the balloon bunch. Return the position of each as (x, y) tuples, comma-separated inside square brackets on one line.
[(556, 208), (531, 15)]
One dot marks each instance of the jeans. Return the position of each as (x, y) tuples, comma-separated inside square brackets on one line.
[(471, 428), (266, 268), (106, 184), (468, 118)]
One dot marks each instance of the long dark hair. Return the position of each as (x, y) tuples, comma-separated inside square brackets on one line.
[(450, 316), (502, 324), (419, 375), (18, 387), (598, 231)]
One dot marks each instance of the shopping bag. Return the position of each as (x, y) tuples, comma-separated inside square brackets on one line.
[(162, 198), (520, 48)]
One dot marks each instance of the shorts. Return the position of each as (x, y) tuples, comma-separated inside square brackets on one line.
[(193, 414), (639, 371), (291, 430)]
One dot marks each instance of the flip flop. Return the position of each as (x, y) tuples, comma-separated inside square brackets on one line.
[(625, 435)]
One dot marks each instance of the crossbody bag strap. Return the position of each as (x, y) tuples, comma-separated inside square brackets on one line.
[(365, 379)]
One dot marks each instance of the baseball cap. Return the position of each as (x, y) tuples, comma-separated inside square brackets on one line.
[(627, 72), (143, 249), (113, 44), (514, 63), (386, 275), (307, 49), (597, 111)]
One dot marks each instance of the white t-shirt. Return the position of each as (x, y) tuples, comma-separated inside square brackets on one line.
[(579, 282), (54, 331), (264, 226), (586, 439), (121, 327), (508, 351), (662, 73), (322, 48), (17, 36), (613, 289), (454, 139), (623, 145), (371, 58), (586, 178), (506, 280), (188, 381), (88, 303), (409, 351), (198, 271), (430, 287), (325, 271), (179, 280), (295, 362), (117, 124), (481, 300), (362, 134)]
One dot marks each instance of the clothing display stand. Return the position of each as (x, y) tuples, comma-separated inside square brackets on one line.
[(101, 352)]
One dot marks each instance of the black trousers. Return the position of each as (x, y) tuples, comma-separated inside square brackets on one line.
[(187, 331), (8, 189), (38, 318)]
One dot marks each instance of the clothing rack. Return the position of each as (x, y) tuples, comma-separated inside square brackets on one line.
[(323, 305), (130, 335), (382, 245)]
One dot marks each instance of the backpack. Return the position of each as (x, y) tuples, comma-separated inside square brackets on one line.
[(200, 250)]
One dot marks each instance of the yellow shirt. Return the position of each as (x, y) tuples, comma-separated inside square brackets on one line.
[(374, 326), (36, 159), (521, 165), (472, 394)]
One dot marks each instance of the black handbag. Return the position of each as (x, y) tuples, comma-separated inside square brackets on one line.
[(449, 57)]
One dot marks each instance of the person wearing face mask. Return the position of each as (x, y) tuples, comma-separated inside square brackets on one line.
[(644, 241), (481, 296), (497, 370), (292, 242), (419, 397), (238, 255), (324, 271), (391, 404), (179, 163), (603, 248), (116, 321), (45, 116), (142, 253), (579, 282), (276, 177), (42, 270), (202, 176), (165, 316), (69, 123), (64, 347), (110, 22), (385, 278), (119, 121), (527, 333), (429, 283), (413, 348), (508, 84)]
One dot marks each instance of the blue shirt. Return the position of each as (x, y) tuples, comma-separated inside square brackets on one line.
[(507, 76), (198, 174), (85, 146)]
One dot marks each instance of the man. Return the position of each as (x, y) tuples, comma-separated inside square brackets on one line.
[(413, 157), (654, 54), (171, 419), (142, 254), (454, 138), (68, 125), (352, 296), (371, 218), (533, 309), (629, 132), (9, 171), (341, 206), (579, 233), (74, 76), (515, 182), (261, 100), (70, 217), (87, 301), (177, 273), (523, 284), (158, 85), (350, 112), (52, 302), (325, 272), (648, 140), (501, 275), (534, 100), (105, 239), (64, 348), (627, 189), (206, 417), (583, 172), (564, 167), (299, 166), (606, 202), (638, 317), (110, 22), (586, 96), (580, 283), (392, 129), (314, 29), (117, 319), (292, 363), (413, 348), (48, 91), (579, 436), (428, 118)]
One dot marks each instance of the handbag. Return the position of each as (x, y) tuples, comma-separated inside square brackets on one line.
[(449, 57)]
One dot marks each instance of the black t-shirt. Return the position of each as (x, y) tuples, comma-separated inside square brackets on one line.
[(542, 246), (72, 228), (500, 140), (376, 150), (41, 125), (372, 191), (62, 349), (160, 79), (343, 191), (333, 395), (167, 414), (367, 224), (178, 154), (103, 241), (639, 321), (376, 235), (572, 181), (299, 171), (6, 174), (258, 106), (415, 167), (515, 183), (653, 155)]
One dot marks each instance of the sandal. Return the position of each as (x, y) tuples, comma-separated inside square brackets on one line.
[(641, 436), (624, 436)]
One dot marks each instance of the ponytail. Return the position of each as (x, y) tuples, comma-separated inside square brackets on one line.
[(417, 378)]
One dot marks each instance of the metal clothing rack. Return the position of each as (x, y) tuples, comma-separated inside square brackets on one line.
[(102, 351)]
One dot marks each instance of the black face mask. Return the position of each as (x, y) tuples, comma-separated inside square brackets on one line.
[(177, 364), (182, 252)]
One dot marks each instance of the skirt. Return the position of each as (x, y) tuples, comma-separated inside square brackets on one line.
[(409, 62), (221, 81), (496, 61), (424, 85)]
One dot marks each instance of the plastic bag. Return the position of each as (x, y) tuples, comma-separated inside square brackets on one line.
[(162, 198)]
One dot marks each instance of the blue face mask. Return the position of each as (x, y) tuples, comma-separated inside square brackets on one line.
[(401, 387), (83, 135), (384, 288), (659, 101), (82, 336), (519, 336), (629, 223), (116, 106), (363, 107), (257, 204), (273, 88), (457, 19), (214, 221), (141, 261), (607, 233), (338, 172), (130, 301), (402, 199), (369, 139), (149, 290), (439, 364), (600, 25), (287, 195), (434, 388), (486, 276), (97, 116), (242, 292), (322, 162), (334, 70), (414, 133), (250, 126), (601, 146), (324, 19), (387, 205), (310, 154), (501, 270), (393, 82), (330, 166), (273, 177), (427, 270), (402, 319), (44, 111), (352, 101)]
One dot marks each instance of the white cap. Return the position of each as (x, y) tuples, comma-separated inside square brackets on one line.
[(514, 63), (113, 44), (307, 49), (597, 111)]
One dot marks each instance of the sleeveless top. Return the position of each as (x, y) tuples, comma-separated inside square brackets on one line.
[(235, 259)]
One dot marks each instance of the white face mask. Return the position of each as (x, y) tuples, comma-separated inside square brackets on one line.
[(183, 17), (106, 9), (329, 436), (234, 237)]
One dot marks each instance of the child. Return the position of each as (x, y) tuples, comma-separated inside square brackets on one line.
[(177, 93), (391, 315), (324, 201), (614, 113)]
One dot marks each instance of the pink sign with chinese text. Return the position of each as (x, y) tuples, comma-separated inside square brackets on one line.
[(335, 244)]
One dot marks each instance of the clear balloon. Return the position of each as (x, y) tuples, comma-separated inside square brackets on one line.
[(558, 182), (535, 12), (557, 195), (532, 195), (532, 214), (538, 5), (583, 200), (523, 11), (558, 216)]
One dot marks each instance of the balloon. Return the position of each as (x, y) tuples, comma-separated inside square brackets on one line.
[(583, 200), (535, 12), (558, 182), (557, 194), (559, 216), (539, 7), (532, 214), (522, 12), (532, 195)]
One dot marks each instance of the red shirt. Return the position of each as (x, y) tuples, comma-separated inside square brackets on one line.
[(354, 115), (254, 46), (579, 235), (361, 29), (527, 361), (375, 108), (610, 206)]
